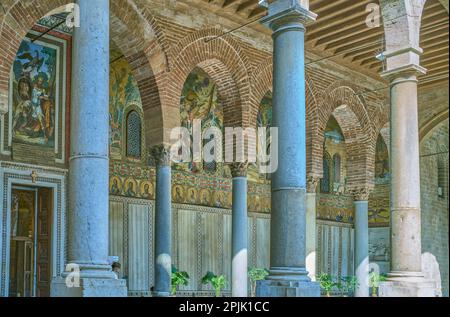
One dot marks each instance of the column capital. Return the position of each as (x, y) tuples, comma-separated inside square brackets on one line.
[(287, 12), (311, 184), (160, 155), (239, 169), (361, 193)]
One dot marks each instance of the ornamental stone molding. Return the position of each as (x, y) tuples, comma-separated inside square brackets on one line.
[(160, 155), (239, 169)]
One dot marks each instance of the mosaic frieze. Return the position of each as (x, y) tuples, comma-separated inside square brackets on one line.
[(135, 181), (337, 208)]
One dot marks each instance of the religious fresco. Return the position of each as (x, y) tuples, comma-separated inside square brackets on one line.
[(381, 160), (34, 87), (263, 120), (124, 92), (200, 101)]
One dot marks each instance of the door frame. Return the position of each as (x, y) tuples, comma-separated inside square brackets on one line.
[(17, 175)]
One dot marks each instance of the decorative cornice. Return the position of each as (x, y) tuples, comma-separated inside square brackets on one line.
[(239, 169), (160, 155), (311, 184)]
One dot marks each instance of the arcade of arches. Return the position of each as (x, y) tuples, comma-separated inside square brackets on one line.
[(362, 182)]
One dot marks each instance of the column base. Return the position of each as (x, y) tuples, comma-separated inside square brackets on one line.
[(407, 285), (89, 287), (270, 288), (283, 282)]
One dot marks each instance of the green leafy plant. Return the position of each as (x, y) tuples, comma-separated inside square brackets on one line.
[(375, 279), (178, 279), (348, 285), (326, 283), (255, 275), (217, 282)]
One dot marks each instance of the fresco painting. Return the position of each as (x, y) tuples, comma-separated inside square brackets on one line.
[(124, 92), (34, 86)]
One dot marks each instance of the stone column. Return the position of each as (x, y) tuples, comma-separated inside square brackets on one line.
[(163, 221), (311, 226), (362, 242), (239, 268), (288, 276), (89, 162), (405, 278)]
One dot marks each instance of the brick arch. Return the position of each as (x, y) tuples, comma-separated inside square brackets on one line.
[(429, 126), (223, 61), (262, 82), (140, 46), (349, 110)]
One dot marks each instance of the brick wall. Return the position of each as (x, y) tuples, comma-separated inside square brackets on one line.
[(435, 207)]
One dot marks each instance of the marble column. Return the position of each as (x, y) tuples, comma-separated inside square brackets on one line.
[(163, 221), (311, 225), (239, 267), (405, 278), (89, 161), (362, 242), (288, 276)]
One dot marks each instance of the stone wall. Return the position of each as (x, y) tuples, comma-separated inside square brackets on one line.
[(434, 174)]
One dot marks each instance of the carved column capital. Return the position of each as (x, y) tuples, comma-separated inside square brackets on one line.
[(160, 155), (239, 169), (361, 193), (311, 184)]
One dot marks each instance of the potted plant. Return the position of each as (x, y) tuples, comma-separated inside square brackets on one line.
[(326, 283), (179, 278), (375, 279), (255, 275), (348, 285), (217, 282)]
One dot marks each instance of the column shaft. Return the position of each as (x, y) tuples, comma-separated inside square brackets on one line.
[(163, 222), (405, 278), (362, 248), (239, 238), (405, 179), (288, 276), (311, 223), (89, 163)]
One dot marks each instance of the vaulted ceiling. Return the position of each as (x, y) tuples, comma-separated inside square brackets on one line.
[(341, 34)]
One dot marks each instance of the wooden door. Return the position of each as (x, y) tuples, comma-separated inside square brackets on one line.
[(43, 237)]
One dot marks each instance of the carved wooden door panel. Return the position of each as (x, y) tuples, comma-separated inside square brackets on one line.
[(43, 256)]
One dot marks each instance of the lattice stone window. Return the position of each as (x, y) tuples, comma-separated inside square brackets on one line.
[(134, 135)]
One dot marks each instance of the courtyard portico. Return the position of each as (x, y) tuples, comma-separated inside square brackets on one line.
[(357, 91)]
